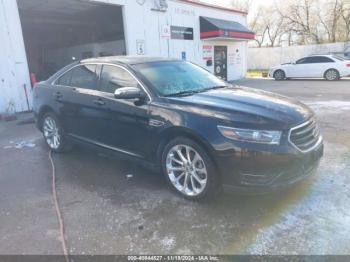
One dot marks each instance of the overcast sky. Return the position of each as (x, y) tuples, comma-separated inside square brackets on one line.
[(254, 7)]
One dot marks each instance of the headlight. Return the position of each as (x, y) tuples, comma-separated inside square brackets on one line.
[(250, 135)]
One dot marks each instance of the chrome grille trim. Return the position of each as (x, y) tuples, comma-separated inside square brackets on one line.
[(309, 127)]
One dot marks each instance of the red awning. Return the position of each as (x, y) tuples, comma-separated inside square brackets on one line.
[(217, 28)]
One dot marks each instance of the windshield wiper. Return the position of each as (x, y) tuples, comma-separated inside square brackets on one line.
[(213, 88), (185, 93), (192, 92)]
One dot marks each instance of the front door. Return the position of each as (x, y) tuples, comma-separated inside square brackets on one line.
[(302, 68), (220, 61), (126, 127)]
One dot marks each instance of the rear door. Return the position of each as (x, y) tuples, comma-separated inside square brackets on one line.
[(82, 108), (63, 94), (321, 65)]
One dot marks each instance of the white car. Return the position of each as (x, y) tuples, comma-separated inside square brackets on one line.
[(329, 67)]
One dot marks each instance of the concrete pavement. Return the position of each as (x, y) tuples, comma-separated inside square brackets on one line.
[(111, 206)]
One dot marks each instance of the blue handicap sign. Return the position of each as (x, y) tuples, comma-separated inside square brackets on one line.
[(183, 55)]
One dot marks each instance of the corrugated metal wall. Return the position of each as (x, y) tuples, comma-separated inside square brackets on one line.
[(14, 74)]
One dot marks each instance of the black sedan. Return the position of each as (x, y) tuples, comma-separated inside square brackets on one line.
[(201, 132)]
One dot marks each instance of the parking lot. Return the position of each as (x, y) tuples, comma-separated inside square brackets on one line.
[(111, 206)]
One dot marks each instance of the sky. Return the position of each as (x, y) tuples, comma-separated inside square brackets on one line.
[(255, 3)]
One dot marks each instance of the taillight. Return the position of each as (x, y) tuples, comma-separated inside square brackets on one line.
[(348, 65)]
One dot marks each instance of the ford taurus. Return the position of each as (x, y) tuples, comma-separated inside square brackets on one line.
[(199, 131)]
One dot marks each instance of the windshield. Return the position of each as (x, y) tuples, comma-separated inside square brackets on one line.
[(177, 77)]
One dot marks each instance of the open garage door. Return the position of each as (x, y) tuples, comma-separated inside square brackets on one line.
[(56, 33)]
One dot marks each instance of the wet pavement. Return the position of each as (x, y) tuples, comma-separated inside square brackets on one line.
[(111, 206)]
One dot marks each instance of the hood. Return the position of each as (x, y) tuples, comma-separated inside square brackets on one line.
[(266, 106), (281, 65)]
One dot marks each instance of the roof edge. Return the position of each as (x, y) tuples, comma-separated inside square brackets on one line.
[(215, 7)]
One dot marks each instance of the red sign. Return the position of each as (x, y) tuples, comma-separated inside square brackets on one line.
[(207, 52)]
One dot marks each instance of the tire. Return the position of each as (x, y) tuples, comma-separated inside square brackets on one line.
[(203, 182), (54, 134), (279, 75), (332, 75)]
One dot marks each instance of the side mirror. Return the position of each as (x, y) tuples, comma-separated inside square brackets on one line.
[(129, 93)]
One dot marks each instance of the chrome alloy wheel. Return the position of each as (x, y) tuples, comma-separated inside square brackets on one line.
[(51, 133), (186, 170), (279, 75), (331, 75)]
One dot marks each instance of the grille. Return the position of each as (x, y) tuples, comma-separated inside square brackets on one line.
[(306, 136)]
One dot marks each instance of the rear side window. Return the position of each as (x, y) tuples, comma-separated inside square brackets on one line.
[(321, 59), (315, 60), (84, 76), (65, 79), (113, 77)]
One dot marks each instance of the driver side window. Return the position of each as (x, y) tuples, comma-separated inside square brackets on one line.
[(113, 77), (302, 61)]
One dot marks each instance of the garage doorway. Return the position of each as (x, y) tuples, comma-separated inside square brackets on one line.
[(57, 33)]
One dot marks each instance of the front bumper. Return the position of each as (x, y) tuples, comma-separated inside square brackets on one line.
[(259, 171), (271, 72)]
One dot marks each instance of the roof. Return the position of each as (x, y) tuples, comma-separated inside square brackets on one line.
[(126, 60), (321, 55), (215, 6), (129, 60)]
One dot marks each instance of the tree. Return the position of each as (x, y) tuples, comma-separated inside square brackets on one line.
[(243, 5), (268, 25), (330, 14), (259, 27), (345, 21), (303, 19), (275, 26), (299, 21)]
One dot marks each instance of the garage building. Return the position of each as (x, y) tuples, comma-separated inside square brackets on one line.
[(38, 37)]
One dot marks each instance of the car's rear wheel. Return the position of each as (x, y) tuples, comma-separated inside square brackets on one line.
[(332, 75), (189, 169), (54, 134), (279, 75)]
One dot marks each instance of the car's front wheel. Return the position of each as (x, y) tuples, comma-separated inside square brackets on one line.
[(54, 134), (279, 75), (189, 169), (332, 75)]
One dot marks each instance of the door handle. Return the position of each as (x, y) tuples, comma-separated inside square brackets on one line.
[(58, 95), (99, 102)]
